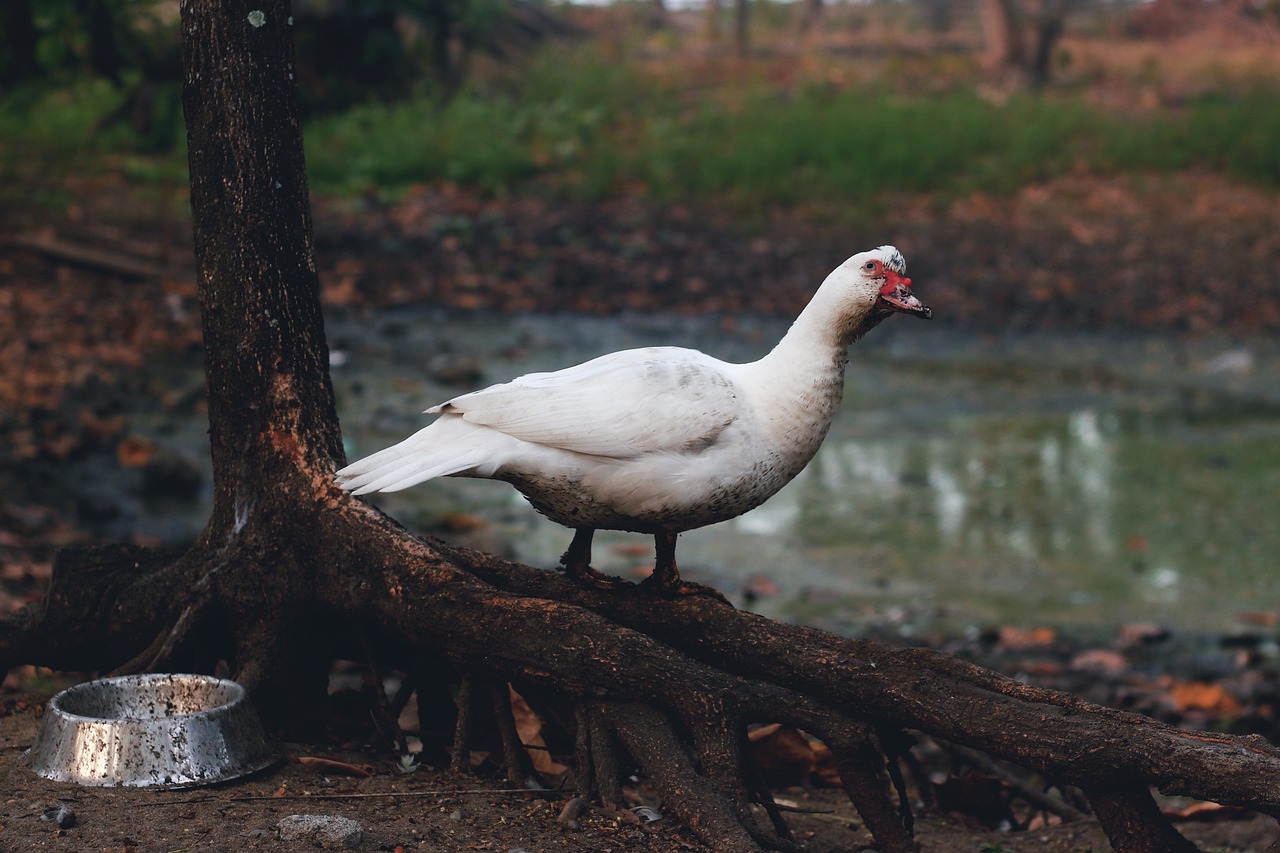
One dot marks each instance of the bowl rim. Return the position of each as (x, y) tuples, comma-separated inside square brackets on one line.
[(146, 678)]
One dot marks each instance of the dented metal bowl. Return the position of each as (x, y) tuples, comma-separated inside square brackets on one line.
[(157, 730)]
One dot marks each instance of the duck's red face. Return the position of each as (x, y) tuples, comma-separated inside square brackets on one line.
[(895, 293)]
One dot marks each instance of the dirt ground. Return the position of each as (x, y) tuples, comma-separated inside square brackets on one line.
[(90, 294), (441, 812)]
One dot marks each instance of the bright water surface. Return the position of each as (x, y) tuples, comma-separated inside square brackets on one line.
[(1033, 479)]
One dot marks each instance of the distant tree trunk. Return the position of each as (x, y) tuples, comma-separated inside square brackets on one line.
[(443, 16), (290, 567), (938, 14), (711, 21), (17, 42), (1050, 24), (1009, 26), (810, 16), (658, 14), (742, 27), (1002, 32)]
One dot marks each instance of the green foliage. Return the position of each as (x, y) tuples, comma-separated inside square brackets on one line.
[(560, 120), (577, 123), (583, 126)]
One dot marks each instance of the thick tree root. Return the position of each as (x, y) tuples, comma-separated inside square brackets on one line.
[(1133, 821), (650, 739), (673, 684)]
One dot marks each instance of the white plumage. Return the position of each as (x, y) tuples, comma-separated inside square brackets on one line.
[(659, 439)]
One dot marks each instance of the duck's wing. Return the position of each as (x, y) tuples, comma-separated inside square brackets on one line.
[(619, 405)]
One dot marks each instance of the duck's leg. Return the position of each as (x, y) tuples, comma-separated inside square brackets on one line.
[(666, 575), (577, 562)]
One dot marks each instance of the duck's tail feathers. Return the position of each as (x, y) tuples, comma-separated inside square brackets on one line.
[(425, 455)]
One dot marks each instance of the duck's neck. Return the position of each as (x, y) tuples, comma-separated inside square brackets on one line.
[(802, 378), (820, 337)]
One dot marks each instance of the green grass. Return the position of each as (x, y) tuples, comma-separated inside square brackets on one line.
[(574, 123), (588, 128)]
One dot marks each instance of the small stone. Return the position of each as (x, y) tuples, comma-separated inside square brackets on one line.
[(64, 817), (60, 815), (327, 831), (572, 811)]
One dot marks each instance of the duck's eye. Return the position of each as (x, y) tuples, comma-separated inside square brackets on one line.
[(869, 266)]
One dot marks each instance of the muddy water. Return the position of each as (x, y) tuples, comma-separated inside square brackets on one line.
[(1064, 480)]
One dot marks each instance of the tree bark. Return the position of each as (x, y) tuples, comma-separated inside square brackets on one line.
[(1009, 26), (289, 564)]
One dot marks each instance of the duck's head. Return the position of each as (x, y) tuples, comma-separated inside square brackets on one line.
[(872, 285), (886, 270)]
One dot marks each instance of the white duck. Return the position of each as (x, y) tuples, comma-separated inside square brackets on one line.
[(659, 439)]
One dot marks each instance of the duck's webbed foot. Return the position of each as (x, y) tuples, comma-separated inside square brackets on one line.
[(665, 579), (576, 563)]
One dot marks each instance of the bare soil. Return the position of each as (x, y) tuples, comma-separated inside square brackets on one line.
[(437, 811)]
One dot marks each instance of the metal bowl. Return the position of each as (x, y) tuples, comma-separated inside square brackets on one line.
[(157, 730)]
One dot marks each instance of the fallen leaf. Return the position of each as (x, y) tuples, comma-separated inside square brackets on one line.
[(1022, 638), (134, 452), (529, 727), (1204, 811), (785, 755), (1100, 660), (1204, 696), (333, 765)]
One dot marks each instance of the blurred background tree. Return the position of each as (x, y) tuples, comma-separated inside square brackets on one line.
[(348, 50)]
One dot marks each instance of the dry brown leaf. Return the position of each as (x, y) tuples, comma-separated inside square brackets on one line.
[(1204, 811), (1100, 660), (1204, 696), (825, 770), (784, 754), (134, 451), (529, 727), (333, 765), (1024, 638)]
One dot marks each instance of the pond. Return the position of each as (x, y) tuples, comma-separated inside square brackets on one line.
[(1031, 479)]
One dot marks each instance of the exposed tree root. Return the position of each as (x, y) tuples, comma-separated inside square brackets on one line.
[(1036, 797), (672, 684)]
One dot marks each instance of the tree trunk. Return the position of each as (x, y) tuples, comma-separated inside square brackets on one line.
[(1002, 31), (810, 17), (1008, 27), (1051, 23), (742, 27), (18, 60), (290, 565)]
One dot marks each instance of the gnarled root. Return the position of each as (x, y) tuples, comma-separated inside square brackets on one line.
[(671, 683)]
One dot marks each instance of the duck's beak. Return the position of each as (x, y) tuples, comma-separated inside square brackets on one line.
[(896, 295)]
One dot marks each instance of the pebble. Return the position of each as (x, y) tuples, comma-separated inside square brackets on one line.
[(64, 817), (327, 831)]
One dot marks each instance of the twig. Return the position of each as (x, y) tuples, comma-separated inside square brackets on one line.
[(384, 705), (365, 796), (83, 255), (796, 809)]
